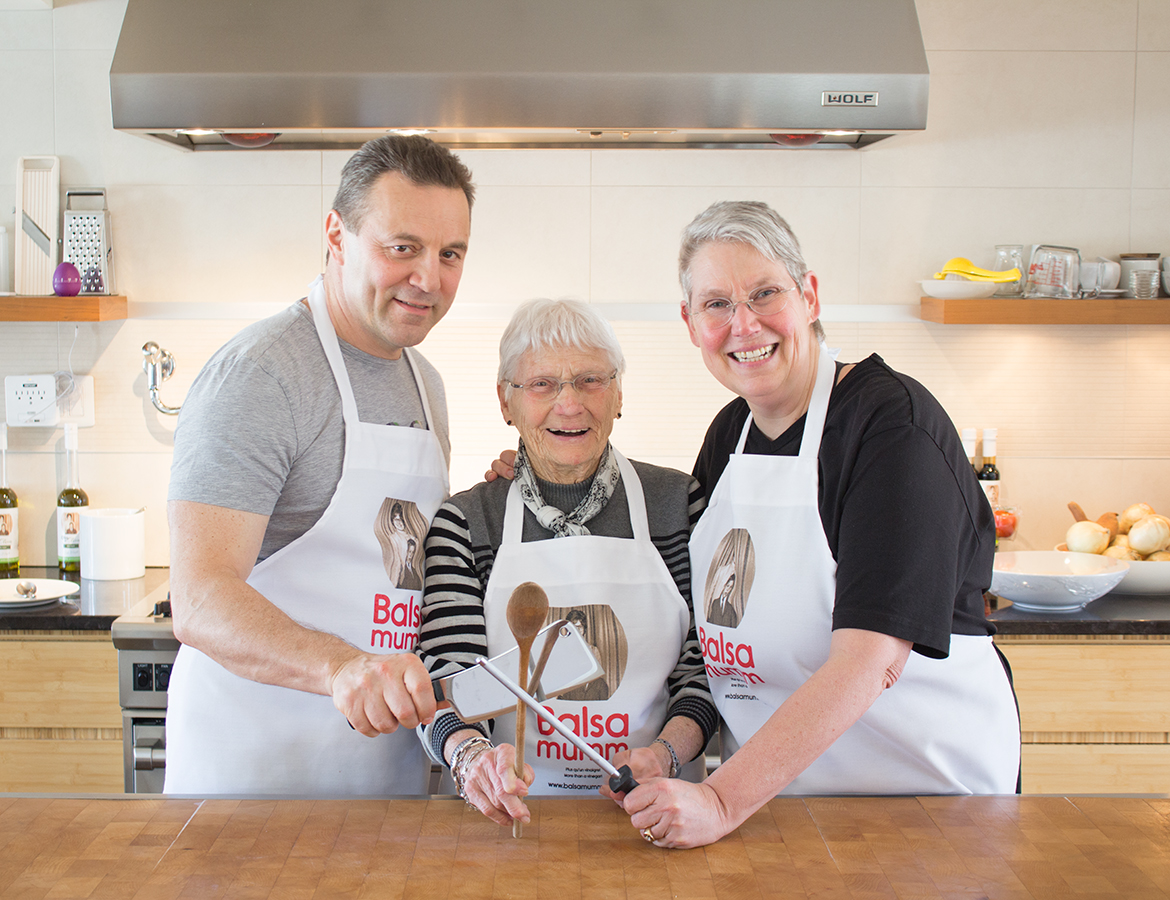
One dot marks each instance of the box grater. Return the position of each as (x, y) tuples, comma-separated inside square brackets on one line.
[(86, 242)]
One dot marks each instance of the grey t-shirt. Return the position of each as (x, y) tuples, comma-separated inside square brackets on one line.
[(261, 429)]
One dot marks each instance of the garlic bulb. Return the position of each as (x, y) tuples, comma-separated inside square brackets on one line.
[(1122, 540), (1117, 551), (1086, 537), (1149, 535), (1132, 513)]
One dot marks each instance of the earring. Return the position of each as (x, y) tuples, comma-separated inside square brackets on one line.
[(509, 421), (619, 415)]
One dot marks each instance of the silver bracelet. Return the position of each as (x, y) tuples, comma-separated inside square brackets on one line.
[(462, 757), (673, 773)]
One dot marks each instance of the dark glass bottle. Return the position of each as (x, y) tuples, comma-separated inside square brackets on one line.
[(989, 474), (68, 503), (9, 514)]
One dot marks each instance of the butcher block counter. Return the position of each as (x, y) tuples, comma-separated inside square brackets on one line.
[(574, 849)]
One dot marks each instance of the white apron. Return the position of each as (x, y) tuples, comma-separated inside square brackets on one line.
[(230, 735), (947, 726), (636, 619)]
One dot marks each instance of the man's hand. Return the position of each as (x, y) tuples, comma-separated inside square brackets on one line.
[(504, 467), (377, 693)]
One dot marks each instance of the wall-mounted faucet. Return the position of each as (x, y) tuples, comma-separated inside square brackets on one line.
[(159, 365)]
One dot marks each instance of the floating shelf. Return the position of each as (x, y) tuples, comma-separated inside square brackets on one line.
[(1045, 311), (82, 308)]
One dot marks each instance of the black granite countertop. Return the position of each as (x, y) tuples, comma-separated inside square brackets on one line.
[(1113, 614), (92, 607)]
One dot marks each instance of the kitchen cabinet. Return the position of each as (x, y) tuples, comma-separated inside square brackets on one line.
[(60, 721), (1045, 311), (82, 308), (1094, 711)]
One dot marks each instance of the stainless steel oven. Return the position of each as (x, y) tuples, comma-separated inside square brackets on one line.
[(146, 648)]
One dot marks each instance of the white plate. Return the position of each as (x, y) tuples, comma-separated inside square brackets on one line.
[(958, 290), (48, 590), (1052, 581)]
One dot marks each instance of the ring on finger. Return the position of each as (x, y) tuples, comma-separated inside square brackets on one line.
[(648, 835)]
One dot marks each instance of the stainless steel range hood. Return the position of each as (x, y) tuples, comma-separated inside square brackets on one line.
[(517, 73)]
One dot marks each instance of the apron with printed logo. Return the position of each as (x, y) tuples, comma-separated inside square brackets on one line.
[(947, 726), (230, 735), (633, 616)]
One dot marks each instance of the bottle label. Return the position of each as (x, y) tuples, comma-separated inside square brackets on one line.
[(68, 534), (991, 490), (9, 535)]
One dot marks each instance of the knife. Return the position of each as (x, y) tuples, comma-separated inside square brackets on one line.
[(620, 780), (567, 661)]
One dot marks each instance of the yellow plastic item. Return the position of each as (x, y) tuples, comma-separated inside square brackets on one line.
[(962, 266)]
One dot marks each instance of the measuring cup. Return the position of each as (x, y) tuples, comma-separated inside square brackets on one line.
[(1054, 272)]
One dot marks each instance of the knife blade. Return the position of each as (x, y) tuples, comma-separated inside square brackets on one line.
[(568, 663), (620, 780)]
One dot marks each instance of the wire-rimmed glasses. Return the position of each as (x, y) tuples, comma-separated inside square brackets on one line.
[(718, 311), (546, 387)]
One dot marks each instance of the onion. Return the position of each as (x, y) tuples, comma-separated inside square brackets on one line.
[(1086, 537), (1132, 513), (1159, 556), (1149, 535), (1122, 540), (1117, 551)]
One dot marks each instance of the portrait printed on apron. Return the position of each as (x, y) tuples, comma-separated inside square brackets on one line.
[(729, 579), (606, 638), (400, 529)]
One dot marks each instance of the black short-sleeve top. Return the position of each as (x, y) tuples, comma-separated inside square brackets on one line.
[(910, 529)]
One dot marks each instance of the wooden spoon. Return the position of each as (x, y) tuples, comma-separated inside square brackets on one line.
[(527, 610)]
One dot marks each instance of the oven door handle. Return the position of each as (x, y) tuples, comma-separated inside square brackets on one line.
[(152, 757)]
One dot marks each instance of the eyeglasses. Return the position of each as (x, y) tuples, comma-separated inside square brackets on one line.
[(768, 302), (545, 387)]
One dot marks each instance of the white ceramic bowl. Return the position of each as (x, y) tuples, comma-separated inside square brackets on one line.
[(958, 290), (1054, 581), (1143, 577)]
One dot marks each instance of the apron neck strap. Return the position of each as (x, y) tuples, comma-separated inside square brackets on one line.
[(635, 499), (332, 347), (818, 408)]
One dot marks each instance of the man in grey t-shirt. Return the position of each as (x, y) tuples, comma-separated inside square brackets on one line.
[(260, 446)]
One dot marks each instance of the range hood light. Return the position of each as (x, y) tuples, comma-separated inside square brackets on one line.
[(798, 140), (196, 132), (250, 139), (408, 132)]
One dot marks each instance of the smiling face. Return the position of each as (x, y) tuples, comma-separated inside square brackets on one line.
[(393, 279), (770, 360), (566, 435)]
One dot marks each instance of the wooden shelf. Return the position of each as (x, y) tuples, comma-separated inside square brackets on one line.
[(1045, 311), (82, 308)]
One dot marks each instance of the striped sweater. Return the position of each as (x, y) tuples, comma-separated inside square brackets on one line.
[(461, 548)]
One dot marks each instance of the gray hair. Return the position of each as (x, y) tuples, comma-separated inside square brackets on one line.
[(418, 159), (548, 324), (744, 222)]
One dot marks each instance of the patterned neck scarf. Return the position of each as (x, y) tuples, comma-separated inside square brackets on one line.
[(555, 520)]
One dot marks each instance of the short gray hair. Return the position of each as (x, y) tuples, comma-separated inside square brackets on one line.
[(548, 324), (418, 159), (748, 222)]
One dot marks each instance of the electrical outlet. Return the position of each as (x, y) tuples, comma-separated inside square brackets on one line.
[(77, 406), (30, 400)]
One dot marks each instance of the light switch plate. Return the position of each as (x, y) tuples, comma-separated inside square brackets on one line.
[(77, 406), (30, 400)]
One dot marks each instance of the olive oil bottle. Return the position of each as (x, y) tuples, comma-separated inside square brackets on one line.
[(9, 514), (69, 502), (989, 474)]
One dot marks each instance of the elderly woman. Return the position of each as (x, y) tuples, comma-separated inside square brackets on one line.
[(840, 498), (606, 538)]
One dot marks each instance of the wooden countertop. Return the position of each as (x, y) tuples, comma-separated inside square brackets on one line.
[(577, 849)]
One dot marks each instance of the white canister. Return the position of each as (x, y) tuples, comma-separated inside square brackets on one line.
[(113, 544)]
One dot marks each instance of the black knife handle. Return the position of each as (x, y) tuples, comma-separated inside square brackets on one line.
[(623, 782), (438, 687)]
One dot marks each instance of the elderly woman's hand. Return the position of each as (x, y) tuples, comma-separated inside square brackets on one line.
[(678, 814), (491, 785), (644, 762)]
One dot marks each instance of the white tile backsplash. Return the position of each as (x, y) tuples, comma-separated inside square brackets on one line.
[(1048, 122)]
